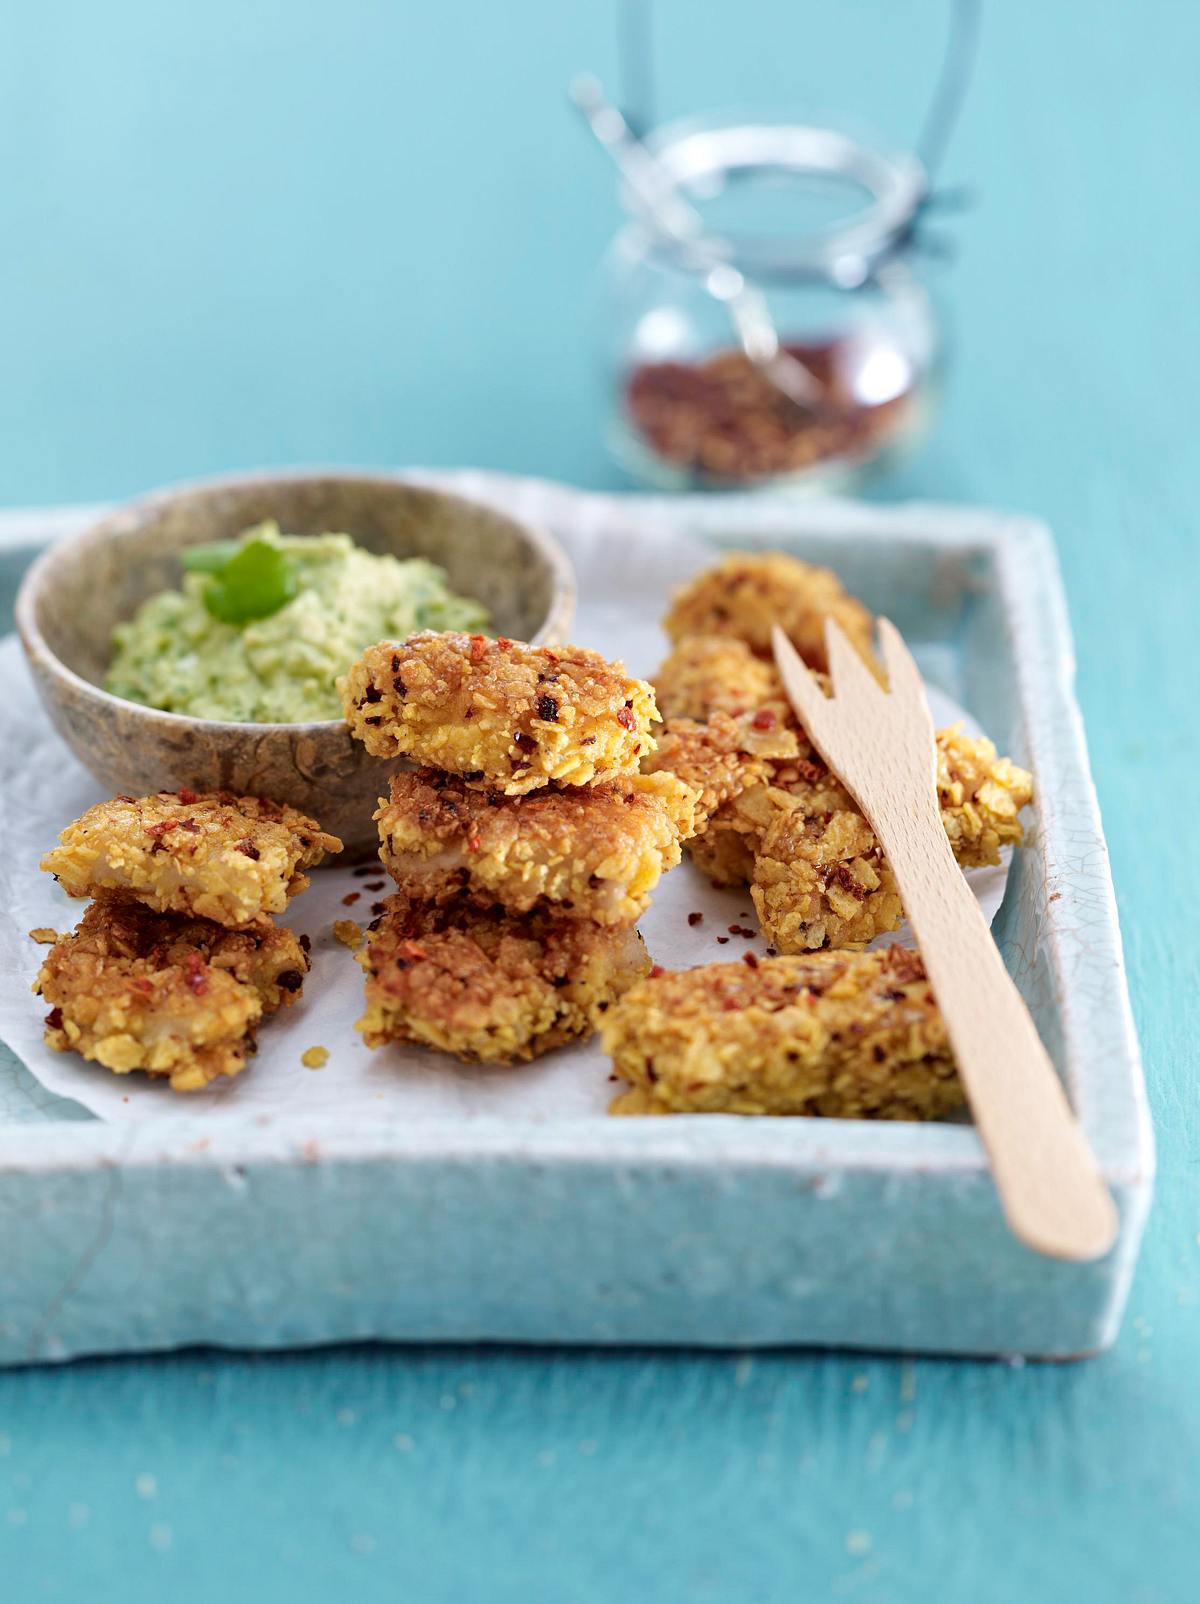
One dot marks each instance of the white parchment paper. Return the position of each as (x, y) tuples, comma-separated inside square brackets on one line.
[(624, 576)]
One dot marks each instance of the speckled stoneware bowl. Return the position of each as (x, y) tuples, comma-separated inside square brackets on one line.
[(79, 590)]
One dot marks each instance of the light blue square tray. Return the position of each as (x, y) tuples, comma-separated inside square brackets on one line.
[(713, 1231)]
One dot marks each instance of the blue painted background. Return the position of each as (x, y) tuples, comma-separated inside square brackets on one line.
[(253, 231)]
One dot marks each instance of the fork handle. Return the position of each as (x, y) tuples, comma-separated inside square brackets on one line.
[(1051, 1189)]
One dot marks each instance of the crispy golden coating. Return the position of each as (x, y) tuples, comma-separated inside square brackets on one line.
[(509, 716), (707, 674), (488, 987), (747, 592), (233, 859), (851, 1035), (981, 796), (820, 878), (719, 759), (174, 996), (596, 852), (784, 825)]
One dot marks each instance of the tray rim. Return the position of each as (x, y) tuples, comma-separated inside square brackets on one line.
[(1109, 1092)]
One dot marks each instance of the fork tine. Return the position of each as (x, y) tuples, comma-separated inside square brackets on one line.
[(904, 677), (850, 675), (807, 698)]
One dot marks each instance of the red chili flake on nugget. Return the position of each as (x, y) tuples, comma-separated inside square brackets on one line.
[(478, 649), (764, 719), (626, 718), (186, 796), (196, 977), (750, 960), (656, 971)]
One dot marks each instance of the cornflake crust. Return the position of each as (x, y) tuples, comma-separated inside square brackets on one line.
[(507, 716), (746, 593), (490, 988), (707, 674), (234, 859), (847, 1035), (175, 996), (776, 818), (596, 852)]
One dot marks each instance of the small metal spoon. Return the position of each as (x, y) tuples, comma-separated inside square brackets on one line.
[(673, 217)]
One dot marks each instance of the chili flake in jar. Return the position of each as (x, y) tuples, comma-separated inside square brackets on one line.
[(723, 417)]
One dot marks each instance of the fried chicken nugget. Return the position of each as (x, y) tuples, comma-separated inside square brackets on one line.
[(786, 826), (851, 1035), (820, 877), (707, 674), (747, 592), (597, 852), (233, 859), (488, 987), (720, 758), (509, 716), (174, 996)]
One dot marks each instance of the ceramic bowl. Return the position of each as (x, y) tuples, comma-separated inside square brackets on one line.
[(80, 589)]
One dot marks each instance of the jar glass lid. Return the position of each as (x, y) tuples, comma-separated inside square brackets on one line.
[(785, 201)]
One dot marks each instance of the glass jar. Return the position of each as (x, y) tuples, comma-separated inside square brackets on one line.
[(819, 224)]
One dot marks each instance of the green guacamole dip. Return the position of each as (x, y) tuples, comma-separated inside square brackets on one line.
[(175, 655)]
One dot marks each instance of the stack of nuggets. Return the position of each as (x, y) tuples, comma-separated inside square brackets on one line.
[(523, 849), (178, 957)]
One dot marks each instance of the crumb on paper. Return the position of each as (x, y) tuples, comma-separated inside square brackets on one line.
[(351, 898), (348, 933), (44, 935), (315, 1057)]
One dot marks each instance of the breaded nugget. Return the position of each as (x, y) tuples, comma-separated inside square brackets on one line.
[(488, 987), (510, 717), (786, 826), (820, 877), (725, 755), (174, 996), (981, 795), (707, 674), (851, 1035), (233, 859), (747, 592), (597, 851)]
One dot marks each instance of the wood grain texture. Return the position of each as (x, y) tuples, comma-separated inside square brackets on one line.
[(880, 745), (449, 1476)]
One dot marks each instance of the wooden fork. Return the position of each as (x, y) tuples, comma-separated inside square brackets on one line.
[(880, 745)]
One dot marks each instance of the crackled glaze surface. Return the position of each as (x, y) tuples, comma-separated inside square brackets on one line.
[(80, 590)]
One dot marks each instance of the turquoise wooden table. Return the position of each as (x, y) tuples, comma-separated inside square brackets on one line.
[(278, 232)]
